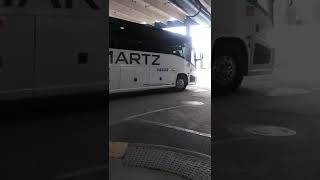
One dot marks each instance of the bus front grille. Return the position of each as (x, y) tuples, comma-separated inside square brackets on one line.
[(192, 78), (262, 55)]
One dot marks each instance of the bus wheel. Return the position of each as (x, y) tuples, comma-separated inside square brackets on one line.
[(227, 75), (181, 83)]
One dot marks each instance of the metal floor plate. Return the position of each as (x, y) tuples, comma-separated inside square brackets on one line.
[(187, 164), (117, 171), (166, 150), (183, 163)]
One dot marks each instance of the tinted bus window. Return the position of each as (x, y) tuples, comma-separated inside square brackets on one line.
[(131, 36)]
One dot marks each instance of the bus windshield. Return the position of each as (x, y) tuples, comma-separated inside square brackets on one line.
[(178, 49)]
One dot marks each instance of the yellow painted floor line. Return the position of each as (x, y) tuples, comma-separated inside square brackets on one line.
[(117, 149)]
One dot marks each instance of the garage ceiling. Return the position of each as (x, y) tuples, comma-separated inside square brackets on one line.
[(148, 11)]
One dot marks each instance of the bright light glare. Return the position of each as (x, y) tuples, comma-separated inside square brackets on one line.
[(203, 78), (172, 19), (201, 42), (297, 49), (179, 30)]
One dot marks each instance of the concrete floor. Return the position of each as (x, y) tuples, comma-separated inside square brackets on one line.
[(266, 101), (165, 111), (65, 137), (288, 98), (164, 117), (56, 138)]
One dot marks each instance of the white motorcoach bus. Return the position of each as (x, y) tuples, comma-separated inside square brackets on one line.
[(142, 57), (52, 47), (240, 43)]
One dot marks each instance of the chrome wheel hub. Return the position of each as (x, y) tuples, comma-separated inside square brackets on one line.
[(224, 70), (180, 83)]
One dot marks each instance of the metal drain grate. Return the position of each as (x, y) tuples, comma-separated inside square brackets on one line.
[(184, 163)]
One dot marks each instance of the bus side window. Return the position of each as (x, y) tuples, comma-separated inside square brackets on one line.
[(23, 3), (112, 43), (140, 45), (92, 4), (8, 3), (115, 43), (56, 4), (69, 4), (119, 38)]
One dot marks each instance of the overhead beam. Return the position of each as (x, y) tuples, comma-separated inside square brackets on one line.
[(140, 7), (165, 7), (172, 6), (120, 15), (115, 6), (163, 14), (206, 4)]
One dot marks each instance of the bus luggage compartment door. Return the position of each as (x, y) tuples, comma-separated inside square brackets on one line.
[(71, 54), (160, 76), (114, 77), (16, 53), (133, 76)]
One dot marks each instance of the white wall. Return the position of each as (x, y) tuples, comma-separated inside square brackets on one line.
[(284, 14)]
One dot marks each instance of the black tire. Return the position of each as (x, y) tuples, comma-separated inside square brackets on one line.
[(229, 81), (181, 82)]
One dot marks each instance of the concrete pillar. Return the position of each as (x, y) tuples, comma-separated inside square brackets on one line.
[(188, 23)]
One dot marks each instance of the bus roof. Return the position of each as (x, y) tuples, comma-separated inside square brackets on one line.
[(145, 31)]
